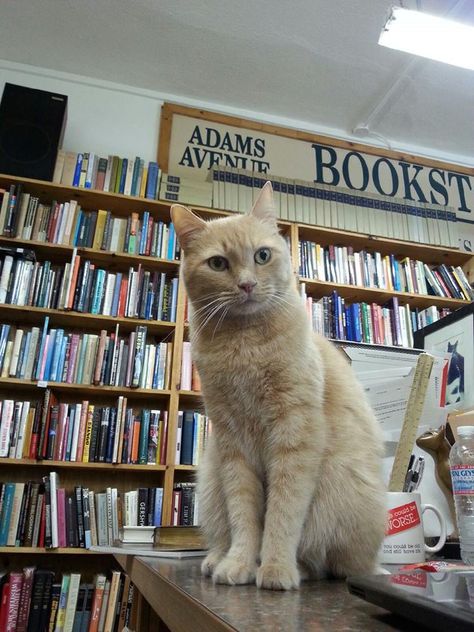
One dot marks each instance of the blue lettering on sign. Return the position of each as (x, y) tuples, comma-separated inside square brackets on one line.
[(208, 147), (406, 185)]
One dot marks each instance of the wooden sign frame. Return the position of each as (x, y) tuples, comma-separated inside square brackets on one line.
[(168, 110)]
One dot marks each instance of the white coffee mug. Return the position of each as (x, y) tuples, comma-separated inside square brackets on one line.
[(404, 540)]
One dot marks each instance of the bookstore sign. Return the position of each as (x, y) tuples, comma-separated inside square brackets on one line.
[(192, 141)]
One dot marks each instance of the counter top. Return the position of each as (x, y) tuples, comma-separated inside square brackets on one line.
[(186, 601)]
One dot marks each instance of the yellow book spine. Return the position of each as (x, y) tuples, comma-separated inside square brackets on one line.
[(99, 229), (143, 182), (88, 435)]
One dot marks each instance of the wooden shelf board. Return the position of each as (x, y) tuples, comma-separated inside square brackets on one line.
[(384, 245), (184, 468), (113, 260), (80, 465), (90, 198), (28, 550), (318, 289), (84, 389), (35, 315)]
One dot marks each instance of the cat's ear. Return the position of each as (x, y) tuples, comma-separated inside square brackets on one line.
[(264, 207), (186, 224)]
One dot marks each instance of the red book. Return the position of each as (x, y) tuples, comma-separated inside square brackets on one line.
[(97, 603), (35, 433), (149, 237), (122, 298), (134, 441), (72, 358), (25, 601), (53, 222), (60, 432), (82, 430), (16, 583), (72, 288), (61, 502), (4, 605)]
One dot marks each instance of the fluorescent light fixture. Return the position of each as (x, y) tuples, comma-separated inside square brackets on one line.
[(429, 36)]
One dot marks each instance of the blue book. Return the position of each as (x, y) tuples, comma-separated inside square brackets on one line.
[(49, 354), (56, 355), (24, 356), (144, 233), (123, 175), (6, 512), (174, 298), (149, 304), (195, 437), (37, 371), (62, 359), (152, 181), (171, 242), (77, 171), (116, 296), (156, 369), (3, 341), (77, 227), (136, 171), (187, 439), (99, 288), (158, 506), (70, 432)]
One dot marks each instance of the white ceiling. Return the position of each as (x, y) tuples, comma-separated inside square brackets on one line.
[(315, 61)]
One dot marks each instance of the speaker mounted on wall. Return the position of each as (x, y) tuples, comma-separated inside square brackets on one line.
[(32, 126)]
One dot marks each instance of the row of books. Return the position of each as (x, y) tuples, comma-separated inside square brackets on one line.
[(44, 514), (341, 264), (54, 355), (31, 600), (391, 325), (82, 432), (130, 176), (185, 509), (190, 380), (81, 286), (24, 216), (334, 207), (192, 432)]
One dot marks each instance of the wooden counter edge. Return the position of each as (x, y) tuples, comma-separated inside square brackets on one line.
[(177, 609)]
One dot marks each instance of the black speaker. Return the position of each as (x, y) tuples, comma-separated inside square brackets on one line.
[(31, 131)]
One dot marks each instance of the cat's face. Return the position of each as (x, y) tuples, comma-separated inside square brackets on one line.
[(234, 266)]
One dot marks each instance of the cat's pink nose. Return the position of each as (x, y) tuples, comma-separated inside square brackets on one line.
[(248, 286)]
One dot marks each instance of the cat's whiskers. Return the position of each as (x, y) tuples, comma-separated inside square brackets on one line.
[(215, 310)]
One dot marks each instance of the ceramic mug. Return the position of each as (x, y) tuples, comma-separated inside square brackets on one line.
[(404, 540)]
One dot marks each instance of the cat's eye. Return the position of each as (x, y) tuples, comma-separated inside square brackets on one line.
[(217, 263), (262, 256)]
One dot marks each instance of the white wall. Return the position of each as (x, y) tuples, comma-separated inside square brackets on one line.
[(110, 118)]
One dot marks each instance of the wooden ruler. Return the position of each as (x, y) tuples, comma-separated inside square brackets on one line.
[(411, 421)]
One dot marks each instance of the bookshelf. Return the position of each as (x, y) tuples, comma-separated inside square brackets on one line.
[(96, 475)]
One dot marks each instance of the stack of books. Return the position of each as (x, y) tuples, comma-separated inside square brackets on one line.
[(32, 599), (334, 207), (44, 514), (82, 432), (54, 355), (130, 176), (192, 432), (341, 264)]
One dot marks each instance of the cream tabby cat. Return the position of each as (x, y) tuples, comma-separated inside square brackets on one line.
[(290, 483)]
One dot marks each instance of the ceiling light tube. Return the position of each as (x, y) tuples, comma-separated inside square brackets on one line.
[(429, 36)]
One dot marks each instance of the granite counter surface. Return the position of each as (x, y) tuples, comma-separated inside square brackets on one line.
[(317, 607)]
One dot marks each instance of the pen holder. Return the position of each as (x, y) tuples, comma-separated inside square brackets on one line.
[(404, 540)]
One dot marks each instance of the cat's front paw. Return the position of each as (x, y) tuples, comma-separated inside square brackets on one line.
[(234, 571), (210, 562), (278, 576)]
